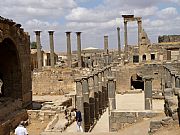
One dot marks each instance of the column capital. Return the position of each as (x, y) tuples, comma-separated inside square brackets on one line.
[(85, 77), (148, 78), (78, 79), (68, 32), (78, 33), (50, 32), (37, 32), (110, 78), (118, 28)]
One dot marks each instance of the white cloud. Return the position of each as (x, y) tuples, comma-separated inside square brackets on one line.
[(167, 13), (94, 22)]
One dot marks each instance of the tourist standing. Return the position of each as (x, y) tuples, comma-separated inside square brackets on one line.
[(79, 120), (21, 130)]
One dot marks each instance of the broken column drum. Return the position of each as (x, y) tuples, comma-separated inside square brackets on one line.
[(39, 54), (148, 92), (51, 48), (111, 93)]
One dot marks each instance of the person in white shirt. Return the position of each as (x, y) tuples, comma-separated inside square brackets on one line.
[(21, 130)]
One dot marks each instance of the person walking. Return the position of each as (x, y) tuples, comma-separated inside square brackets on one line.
[(79, 120), (21, 130)]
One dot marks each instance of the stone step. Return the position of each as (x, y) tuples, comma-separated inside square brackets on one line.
[(79, 133)]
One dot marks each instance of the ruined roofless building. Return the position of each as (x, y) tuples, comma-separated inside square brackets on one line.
[(15, 73)]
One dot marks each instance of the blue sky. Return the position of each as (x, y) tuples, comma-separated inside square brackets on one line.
[(95, 18)]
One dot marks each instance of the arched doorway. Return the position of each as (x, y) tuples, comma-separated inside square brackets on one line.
[(10, 70), (137, 82)]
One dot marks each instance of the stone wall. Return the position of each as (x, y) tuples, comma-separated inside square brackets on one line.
[(120, 119), (169, 38), (53, 81), (124, 74)]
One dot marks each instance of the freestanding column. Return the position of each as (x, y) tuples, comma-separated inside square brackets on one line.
[(139, 31), (111, 93), (51, 47), (80, 99), (119, 42), (125, 39), (100, 91), (96, 94), (106, 45), (79, 48), (148, 92), (39, 54), (91, 98), (85, 89), (68, 34)]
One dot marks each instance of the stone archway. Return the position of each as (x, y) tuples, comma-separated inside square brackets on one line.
[(137, 82), (10, 70), (15, 74)]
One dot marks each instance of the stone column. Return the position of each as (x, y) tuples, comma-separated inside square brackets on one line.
[(91, 98), (51, 47), (100, 91), (111, 93), (119, 42), (80, 99), (125, 39), (96, 95), (139, 31), (106, 59), (69, 59), (85, 89), (106, 50), (173, 81), (39, 54), (79, 48), (148, 92)]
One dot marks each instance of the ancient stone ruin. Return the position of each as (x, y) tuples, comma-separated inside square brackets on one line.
[(15, 75), (114, 89)]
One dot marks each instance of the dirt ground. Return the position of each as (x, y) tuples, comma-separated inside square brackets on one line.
[(36, 127)]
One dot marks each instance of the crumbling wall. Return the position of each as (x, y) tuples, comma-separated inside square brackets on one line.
[(169, 38), (53, 81), (120, 119)]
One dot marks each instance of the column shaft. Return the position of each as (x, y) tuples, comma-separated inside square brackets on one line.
[(51, 47), (69, 59), (39, 53), (79, 48), (139, 32), (125, 39), (106, 45), (111, 93), (148, 93), (119, 42)]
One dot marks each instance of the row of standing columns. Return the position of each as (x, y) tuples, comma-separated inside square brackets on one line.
[(51, 39), (92, 93), (39, 54)]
